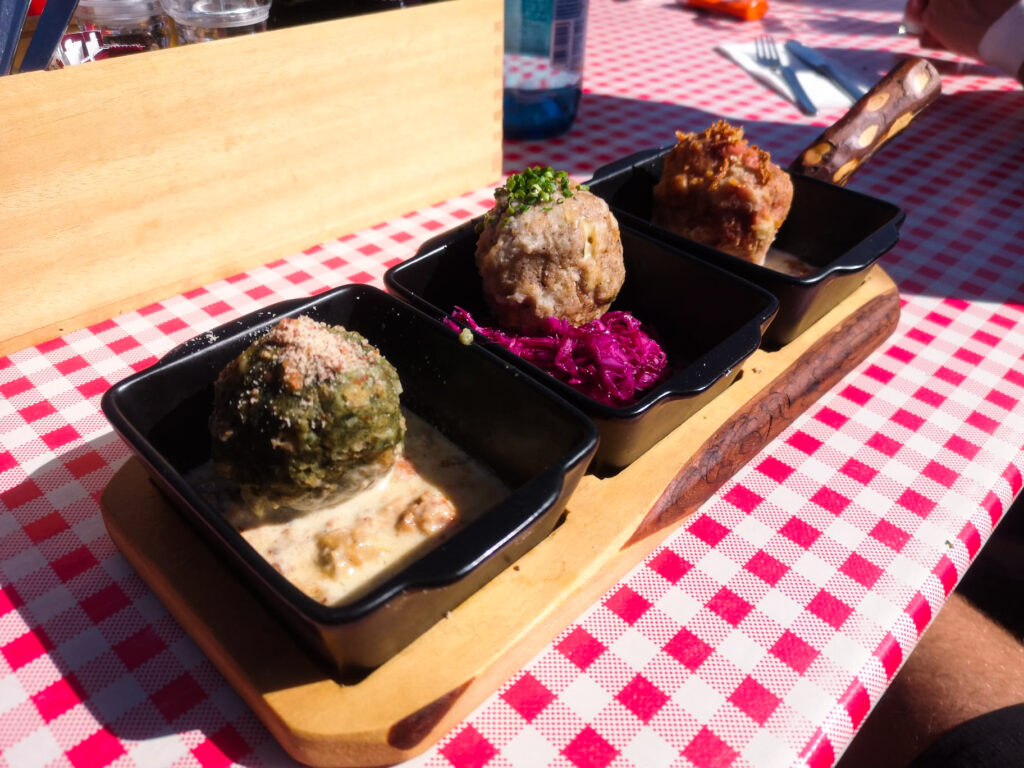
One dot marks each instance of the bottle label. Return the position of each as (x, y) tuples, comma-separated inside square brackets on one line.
[(568, 34), (554, 29)]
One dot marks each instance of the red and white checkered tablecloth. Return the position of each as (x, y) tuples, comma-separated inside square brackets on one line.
[(760, 634)]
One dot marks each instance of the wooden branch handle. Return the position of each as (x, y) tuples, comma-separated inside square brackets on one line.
[(879, 115)]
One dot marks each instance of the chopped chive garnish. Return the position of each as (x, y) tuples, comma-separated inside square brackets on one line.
[(534, 186)]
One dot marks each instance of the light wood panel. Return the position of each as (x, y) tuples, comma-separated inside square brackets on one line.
[(413, 699), (136, 178)]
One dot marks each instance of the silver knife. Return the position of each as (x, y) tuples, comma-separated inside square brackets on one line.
[(814, 59)]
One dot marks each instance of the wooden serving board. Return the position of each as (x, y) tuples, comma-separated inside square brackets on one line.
[(611, 524)]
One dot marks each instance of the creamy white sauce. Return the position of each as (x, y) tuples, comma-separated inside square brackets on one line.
[(335, 552), (783, 262)]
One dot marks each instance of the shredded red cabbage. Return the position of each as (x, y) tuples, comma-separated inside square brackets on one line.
[(611, 359)]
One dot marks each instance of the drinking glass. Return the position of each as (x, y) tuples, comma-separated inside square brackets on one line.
[(197, 21)]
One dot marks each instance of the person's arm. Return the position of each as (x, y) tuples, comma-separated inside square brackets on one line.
[(989, 30), (966, 665)]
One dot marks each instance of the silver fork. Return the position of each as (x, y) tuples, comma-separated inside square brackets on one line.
[(768, 56)]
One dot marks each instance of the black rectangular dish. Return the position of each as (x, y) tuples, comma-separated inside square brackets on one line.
[(467, 394), (707, 320), (838, 232)]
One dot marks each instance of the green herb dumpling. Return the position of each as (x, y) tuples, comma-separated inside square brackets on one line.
[(307, 414), (548, 249)]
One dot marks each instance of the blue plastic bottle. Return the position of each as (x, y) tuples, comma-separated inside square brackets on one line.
[(544, 46)]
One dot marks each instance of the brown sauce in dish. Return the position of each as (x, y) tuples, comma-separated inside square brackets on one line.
[(335, 552)]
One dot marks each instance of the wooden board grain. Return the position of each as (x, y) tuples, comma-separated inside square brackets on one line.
[(611, 524), (136, 178)]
